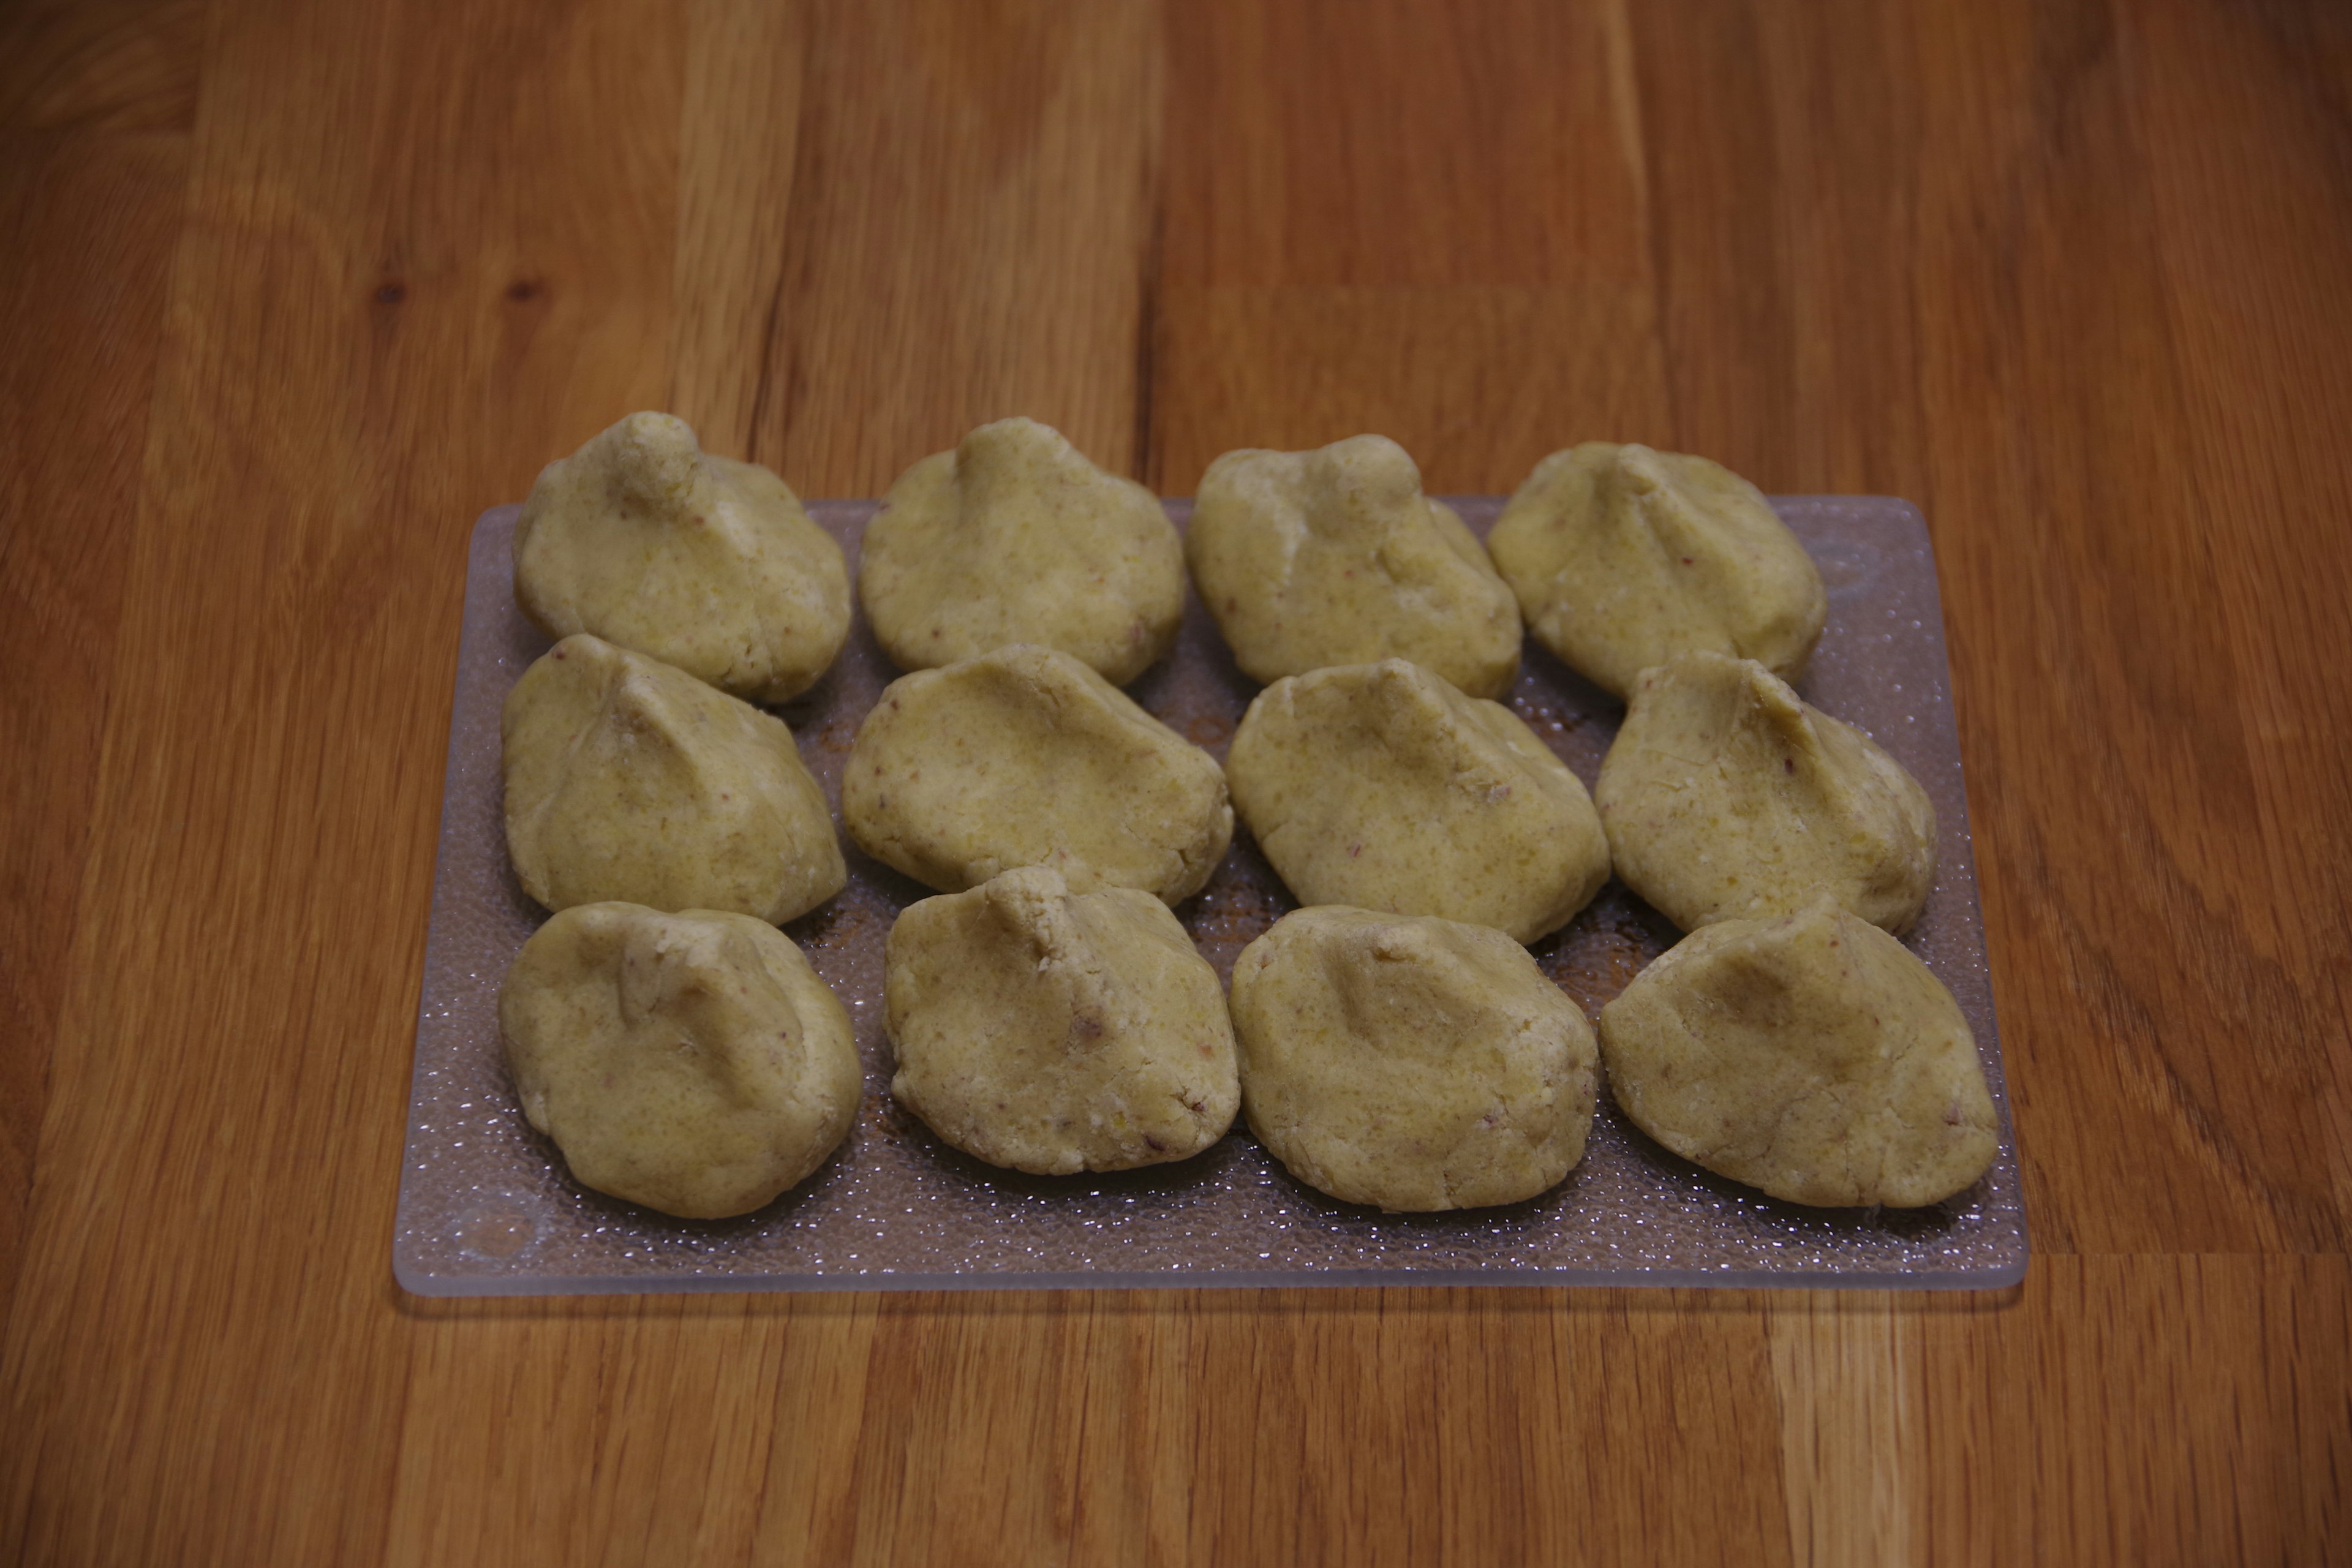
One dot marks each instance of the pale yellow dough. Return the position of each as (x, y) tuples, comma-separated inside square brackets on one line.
[(646, 541), (1024, 756), (691, 1062), (628, 780), (1014, 537), (1726, 796), (1314, 559), (1380, 786), (1811, 1055), (1410, 1062), (1623, 557), (1054, 1031)]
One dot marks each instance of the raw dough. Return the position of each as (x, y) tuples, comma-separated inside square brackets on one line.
[(1313, 559), (1026, 757), (1014, 537), (1623, 557), (691, 1062), (628, 780), (1811, 1055), (1410, 1062), (1053, 1031), (701, 562), (1380, 786), (1726, 797)]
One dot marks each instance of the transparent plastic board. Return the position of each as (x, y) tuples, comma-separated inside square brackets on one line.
[(488, 1208)]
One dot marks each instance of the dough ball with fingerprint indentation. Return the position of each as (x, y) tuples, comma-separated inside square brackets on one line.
[(1811, 1055), (1314, 559), (1624, 557), (628, 780), (691, 1062), (1410, 1062), (1024, 756), (1381, 788), (644, 538), (1014, 537), (1054, 1031), (1726, 796)]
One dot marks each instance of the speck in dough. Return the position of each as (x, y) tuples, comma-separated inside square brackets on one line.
[(1381, 788), (1314, 559), (1024, 756), (1624, 557), (1014, 537), (628, 780), (691, 1062), (1409, 1062), (1057, 1032), (704, 563), (1811, 1055), (1725, 797)]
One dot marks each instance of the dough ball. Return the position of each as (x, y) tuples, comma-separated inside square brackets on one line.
[(1314, 559), (1380, 786), (1026, 757), (1726, 797), (692, 1062), (704, 563), (1624, 557), (1410, 1062), (1053, 1031), (1811, 1055), (1014, 537), (628, 780)]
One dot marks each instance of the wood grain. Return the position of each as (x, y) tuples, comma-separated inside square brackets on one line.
[(970, 234), (94, 116), (288, 294)]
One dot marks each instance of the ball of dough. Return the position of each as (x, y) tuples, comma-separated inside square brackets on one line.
[(1726, 797), (1623, 557), (1026, 757), (1014, 537), (704, 563), (1313, 559), (1811, 1055), (1410, 1062), (1053, 1031), (1380, 786), (693, 1062), (631, 781)]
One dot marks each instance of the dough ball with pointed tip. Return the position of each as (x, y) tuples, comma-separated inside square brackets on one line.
[(704, 563), (1014, 537), (1726, 796), (1410, 1062), (1024, 756), (1054, 1031), (1624, 557), (1314, 559), (628, 780), (1811, 1055), (691, 1062), (1381, 788)]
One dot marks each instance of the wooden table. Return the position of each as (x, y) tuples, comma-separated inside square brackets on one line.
[(292, 291)]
